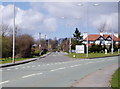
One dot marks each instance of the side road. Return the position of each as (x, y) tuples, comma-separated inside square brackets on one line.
[(23, 61), (100, 78)]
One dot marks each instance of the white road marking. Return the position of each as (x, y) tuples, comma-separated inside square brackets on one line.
[(16, 68), (89, 62), (1, 70), (76, 65), (23, 67), (58, 69), (4, 82), (28, 66), (38, 65), (31, 75), (33, 66), (8, 69), (102, 60), (60, 63), (48, 64)]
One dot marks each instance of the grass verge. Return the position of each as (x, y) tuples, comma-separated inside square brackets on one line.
[(9, 60), (115, 82), (91, 55)]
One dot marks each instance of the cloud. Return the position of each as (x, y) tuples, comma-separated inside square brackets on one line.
[(110, 20), (45, 17), (28, 20)]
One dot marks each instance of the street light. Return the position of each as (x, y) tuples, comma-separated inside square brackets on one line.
[(96, 4), (13, 59), (69, 38)]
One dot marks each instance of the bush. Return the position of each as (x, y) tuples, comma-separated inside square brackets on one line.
[(96, 48)]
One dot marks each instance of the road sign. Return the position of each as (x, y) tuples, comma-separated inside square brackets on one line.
[(80, 49)]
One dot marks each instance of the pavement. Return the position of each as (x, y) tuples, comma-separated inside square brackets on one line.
[(54, 70), (92, 80), (23, 61)]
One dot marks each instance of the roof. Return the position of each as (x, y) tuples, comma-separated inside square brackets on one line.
[(113, 37), (93, 37)]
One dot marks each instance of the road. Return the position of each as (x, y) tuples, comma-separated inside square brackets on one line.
[(55, 70)]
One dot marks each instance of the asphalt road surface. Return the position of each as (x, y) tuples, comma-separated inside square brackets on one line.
[(55, 70)]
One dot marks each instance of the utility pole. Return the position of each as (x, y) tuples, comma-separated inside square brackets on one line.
[(13, 59)]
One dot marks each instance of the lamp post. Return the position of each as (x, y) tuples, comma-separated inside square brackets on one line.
[(13, 58), (70, 40), (87, 9), (112, 37)]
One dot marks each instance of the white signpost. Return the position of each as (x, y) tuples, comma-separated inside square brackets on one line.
[(79, 49)]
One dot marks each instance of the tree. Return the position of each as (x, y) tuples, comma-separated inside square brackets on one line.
[(77, 39), (102, 27), (65, 45), (23, 45), (6, 46)]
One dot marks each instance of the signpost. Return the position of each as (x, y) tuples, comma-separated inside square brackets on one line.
[(79, 49)]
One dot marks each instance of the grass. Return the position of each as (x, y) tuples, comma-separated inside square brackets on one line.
[(115, 82), (90, 55), (9, 60)]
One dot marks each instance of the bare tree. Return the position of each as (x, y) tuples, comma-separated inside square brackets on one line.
[(6, 30), (102, 27)]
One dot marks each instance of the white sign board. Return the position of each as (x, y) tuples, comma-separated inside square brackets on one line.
[(79, 48)]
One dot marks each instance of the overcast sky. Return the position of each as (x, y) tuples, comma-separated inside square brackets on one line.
[(47, 17)]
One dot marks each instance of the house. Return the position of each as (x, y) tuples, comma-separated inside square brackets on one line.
[(103, 39)]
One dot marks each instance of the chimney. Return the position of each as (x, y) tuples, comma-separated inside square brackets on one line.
[(101, 33), (85, 35), (116, 34)]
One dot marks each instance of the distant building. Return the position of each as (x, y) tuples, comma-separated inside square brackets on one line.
[(103, 39)]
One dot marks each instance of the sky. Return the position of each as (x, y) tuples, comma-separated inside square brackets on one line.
[(60, 19)]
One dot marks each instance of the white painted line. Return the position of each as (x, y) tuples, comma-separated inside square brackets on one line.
[(38, 65), (4, 82), (23, 67), (102, 60), (16, 68), (58, 69), (39, 73), (48, 64), (28, 76), (31, 75), (8, 69), (1, 70), (60, 63), (33, 66), (89, 62), (28, 66), (76, 65)]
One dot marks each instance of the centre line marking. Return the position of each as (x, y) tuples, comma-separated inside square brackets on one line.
[(76, 65), (31, 75), (16, 68), (28, 66), (4, 82), (58, 69), (8, 69), (33, 66)]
